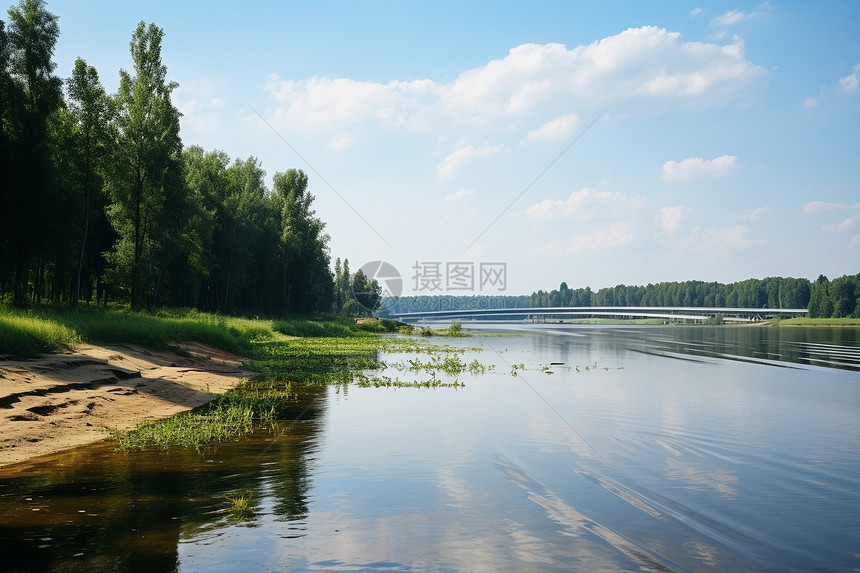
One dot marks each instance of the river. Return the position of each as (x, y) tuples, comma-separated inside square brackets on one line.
[(581, 448)]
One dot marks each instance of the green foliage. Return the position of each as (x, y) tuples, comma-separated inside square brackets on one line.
[(51, 329), (354, 295), (23, 334), (226, 418), (320, 326), (241, 504), (849, 322), (30, 94), (104, 202), (839, 298), (772, 292), (383, 325), (456, 329), (144, 178)]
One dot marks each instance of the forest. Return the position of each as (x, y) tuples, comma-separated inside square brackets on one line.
[(823, 298), (102, 202)]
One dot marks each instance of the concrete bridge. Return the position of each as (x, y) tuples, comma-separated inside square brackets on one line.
[(553, 314)]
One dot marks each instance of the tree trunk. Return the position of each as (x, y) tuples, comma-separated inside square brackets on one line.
[(76, 295), (154, 305), (20, 272)]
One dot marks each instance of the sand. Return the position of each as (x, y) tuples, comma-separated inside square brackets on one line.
[(61, 401)]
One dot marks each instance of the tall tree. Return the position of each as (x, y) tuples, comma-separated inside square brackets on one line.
[(242, 222), (368, 293), (32, 93), (89, 109), (143, 176), (304, 246), (6, 119)]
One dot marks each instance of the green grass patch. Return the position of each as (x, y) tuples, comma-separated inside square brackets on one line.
[(455, 330), (383, 325), (805, 321), (236, 414), (25, 335), (49, 329), (319, 326)]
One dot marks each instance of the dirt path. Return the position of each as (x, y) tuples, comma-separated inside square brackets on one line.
[(59, 401)]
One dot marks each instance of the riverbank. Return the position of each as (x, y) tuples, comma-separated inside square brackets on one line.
[(59, 401), (806, 321)]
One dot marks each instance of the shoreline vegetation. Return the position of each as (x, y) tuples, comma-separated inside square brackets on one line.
[(285, 355), (806, 321)]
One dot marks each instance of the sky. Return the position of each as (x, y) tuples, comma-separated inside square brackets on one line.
[(592, 143)]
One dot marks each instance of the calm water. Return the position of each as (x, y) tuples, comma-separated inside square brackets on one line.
[(645, 449)]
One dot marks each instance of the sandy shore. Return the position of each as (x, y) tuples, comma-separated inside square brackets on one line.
[(60, 401)]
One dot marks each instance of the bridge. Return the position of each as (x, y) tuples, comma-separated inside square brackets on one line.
[(554, 314)]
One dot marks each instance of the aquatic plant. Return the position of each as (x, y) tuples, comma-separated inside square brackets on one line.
[(364, 381), (241, 504)]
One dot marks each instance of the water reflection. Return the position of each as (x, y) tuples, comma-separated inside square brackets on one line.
[(91, 509), (685, 449)]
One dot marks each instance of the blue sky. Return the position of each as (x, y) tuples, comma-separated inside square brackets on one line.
[(592, 143)]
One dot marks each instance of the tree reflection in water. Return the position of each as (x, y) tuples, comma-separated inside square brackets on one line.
[(91, 509)]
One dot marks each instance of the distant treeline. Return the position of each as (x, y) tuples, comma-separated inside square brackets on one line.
[(823, 298), (100, 201)]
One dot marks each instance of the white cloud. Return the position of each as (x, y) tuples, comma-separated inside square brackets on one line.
[(583, 205), (698, 167), (325, 102), (843, 226), (561, 127), (609, 237), (457, 159), (846, 85), (729, 18), (753, 215), (696, 11), (648, 64), (849, 83), (459, 194), (341, 141), (670, 218), (812, 102), (819, 206), (733, 17)]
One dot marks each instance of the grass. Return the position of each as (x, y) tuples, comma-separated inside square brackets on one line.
[(26, 335), (221, 420), (805, 321), (46, 329), (286, 352), (455, 330)]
